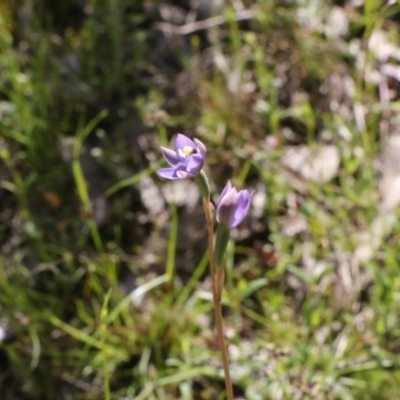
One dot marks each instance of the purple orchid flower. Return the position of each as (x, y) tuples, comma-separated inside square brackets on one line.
[(233, 206), (187, 159)]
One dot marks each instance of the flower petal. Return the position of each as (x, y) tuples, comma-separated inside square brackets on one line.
[(242, 207), (170, 156), (168, 173), (200, 147), (227, 187), (182, 174), (183, 141), (195, 163), (226, 206)]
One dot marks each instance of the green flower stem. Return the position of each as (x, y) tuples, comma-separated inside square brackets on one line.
[(202, 180), (209, 212), (223, 234), (217, 281)]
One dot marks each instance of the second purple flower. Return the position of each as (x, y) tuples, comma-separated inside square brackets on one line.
[(233, 206), (186, 160)]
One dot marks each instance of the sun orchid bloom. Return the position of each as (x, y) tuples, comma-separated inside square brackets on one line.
[(233, 206), (186, 160)]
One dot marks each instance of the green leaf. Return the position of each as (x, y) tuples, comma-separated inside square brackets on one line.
[(253, 286)]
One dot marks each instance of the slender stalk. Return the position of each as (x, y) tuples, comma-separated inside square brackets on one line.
[(210, 229), (217, 279), (107, 392), (221, 338)]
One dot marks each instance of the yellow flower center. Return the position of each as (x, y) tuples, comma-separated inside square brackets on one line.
[(188, 150)]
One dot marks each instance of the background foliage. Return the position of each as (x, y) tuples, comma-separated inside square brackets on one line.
[(104, 290)]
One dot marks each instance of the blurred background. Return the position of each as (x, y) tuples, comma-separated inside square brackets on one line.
[(104, 288)]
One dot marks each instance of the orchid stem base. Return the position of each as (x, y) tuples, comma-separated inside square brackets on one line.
[(217, 280)]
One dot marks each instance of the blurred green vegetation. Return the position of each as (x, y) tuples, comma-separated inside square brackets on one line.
[(104, 292)]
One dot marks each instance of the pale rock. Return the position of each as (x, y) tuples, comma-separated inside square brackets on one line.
[(320, 164)]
